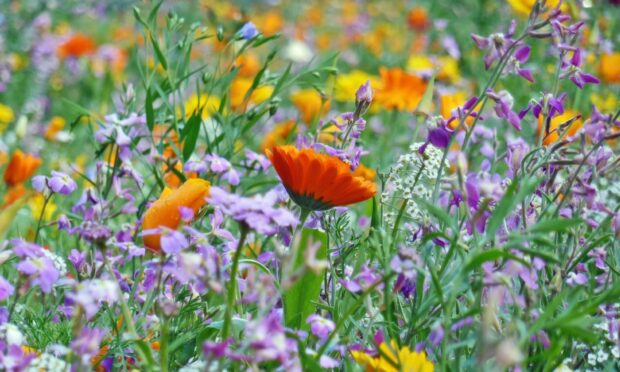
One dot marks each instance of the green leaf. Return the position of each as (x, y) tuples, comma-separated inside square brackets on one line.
[(508, 203), (148, 108), (437, 212), (160, 55), (491, 255), (553, 225), (299, 300), (426, 103), (190, 133)]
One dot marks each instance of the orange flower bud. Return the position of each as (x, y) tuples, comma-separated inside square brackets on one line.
[(165, 211), (21, 167)]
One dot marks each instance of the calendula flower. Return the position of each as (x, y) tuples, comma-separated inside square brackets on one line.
[(399, 90), (77, 46), (165, 211), (21, 167), (316, 181), (609, 67), (310, 104), (524, 7), (392, 358)]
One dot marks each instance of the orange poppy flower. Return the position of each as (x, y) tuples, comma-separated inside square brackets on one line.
[(554, 127), (165, 211), (78, 45), (399, 90), (316, 181), (21, 167)]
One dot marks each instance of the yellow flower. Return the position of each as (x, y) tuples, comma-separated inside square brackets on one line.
[(524, 7), (6, 116), (207, 105), (239, 88), (346, 85), (310, 104), (606, 103), (392, 359), (36, 206), (447, 67)]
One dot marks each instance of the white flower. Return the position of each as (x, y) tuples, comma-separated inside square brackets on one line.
[(11, 334), (47, 362)]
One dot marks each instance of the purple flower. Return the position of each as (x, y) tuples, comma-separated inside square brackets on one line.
[(248, 31), (86, 345), (572, 70), (6, 289), (90, 295), (219, 165), (37, 264), (503, 107), (258, 211), (364, 94), (59, 182), (320, 327), (436, 335), (496, 44), (173, 241)]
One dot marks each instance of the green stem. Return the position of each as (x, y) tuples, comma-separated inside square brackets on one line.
[(232, 283), (47, 199)]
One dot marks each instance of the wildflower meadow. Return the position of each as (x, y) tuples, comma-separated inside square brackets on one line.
[(281, 185)]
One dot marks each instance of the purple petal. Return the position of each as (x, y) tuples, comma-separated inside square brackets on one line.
[(523, 54), (526, 74)]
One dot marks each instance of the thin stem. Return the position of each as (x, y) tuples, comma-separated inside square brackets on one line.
[(47, 199), (232, 283)]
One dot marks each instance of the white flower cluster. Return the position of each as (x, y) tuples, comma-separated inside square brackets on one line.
[(58, 262), (47, 362), (11, 335), (413, 175)]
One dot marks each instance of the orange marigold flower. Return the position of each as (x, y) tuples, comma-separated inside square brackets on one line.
[(165, 211), (556, 127), (21, 167), (609, 68), (399, 90), (417, 19), (316, 181), (78, 45)]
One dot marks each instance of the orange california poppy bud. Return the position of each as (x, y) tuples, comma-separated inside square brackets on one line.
[(77, 46), (316, 181), (165, 211), (21, 167)]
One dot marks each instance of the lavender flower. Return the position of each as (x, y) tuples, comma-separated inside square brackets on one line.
[(258, 211), (59, 183)]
